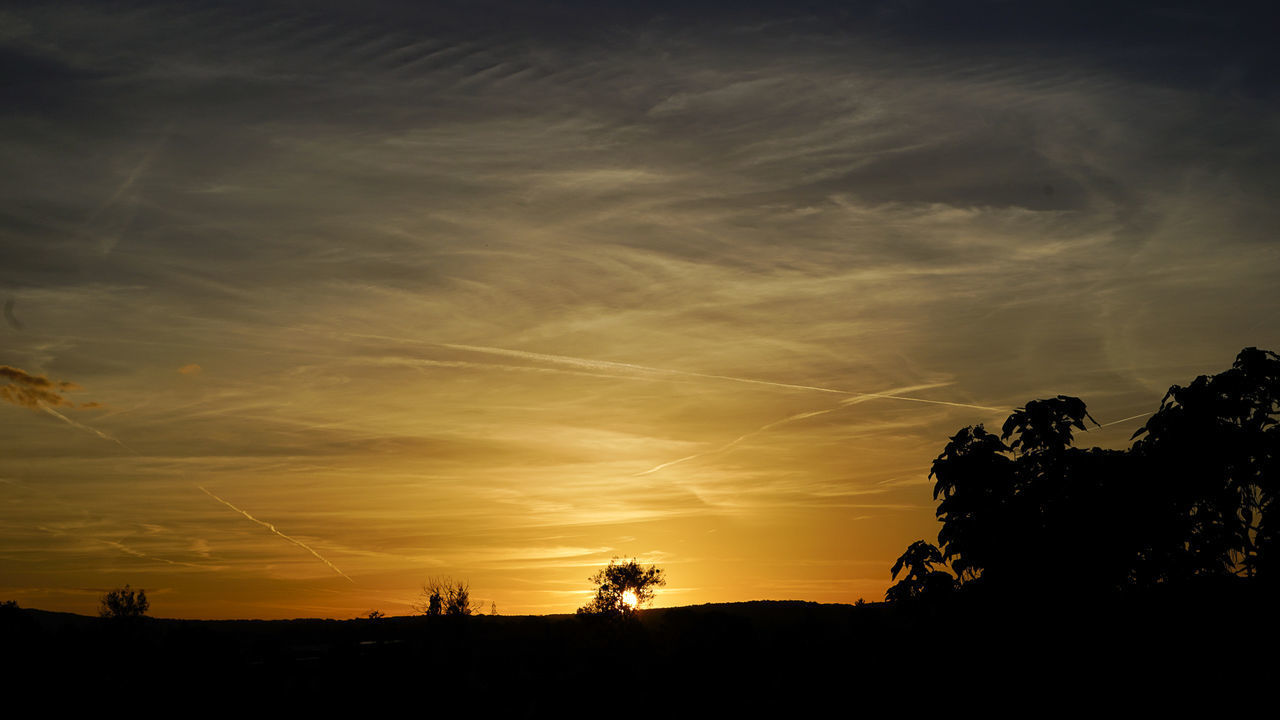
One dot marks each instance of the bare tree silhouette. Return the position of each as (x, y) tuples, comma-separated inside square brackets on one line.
[(445, 596)]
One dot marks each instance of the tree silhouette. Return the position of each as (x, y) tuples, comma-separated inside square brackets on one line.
[(1041, 430), (124, 604), (1196, 495), (445, 596), (1056, 499), (1026, 510), (921, 579), (1216, 445), (623, 588), (976, 482), (458, 600)]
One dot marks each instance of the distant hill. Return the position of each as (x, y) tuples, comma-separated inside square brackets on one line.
[(745, 655)]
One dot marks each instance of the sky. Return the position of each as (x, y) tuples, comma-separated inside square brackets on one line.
[(307, 303)]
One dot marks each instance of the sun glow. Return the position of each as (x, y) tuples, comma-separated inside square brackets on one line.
[(629, 599)]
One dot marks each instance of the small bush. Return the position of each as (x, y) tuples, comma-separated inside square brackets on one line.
[(445, 596), (124, 604)]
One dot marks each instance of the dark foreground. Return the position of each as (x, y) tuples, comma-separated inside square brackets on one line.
[(1192, 648)]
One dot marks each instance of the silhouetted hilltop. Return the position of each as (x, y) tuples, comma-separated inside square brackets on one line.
[(735, 654)]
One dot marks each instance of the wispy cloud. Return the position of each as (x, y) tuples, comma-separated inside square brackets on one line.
[(460, 275), (37, 392)]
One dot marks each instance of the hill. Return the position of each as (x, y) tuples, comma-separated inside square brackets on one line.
[(740, 654)]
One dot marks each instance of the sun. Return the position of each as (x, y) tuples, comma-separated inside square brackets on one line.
[(629, 599)]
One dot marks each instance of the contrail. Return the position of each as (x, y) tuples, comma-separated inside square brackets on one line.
[(610, 365), (139, 554), (113, 543), (465, 364), (273, 529), (730, 445), (133, 176), (107, 242), (862, 397), (9, 317), (1131, 417), (84, 427)]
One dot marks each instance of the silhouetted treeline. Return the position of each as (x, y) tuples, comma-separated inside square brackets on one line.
[(1195, 497)]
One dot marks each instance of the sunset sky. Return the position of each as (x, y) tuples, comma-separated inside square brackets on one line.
[(501, 290)]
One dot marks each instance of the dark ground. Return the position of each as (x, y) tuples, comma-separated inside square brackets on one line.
[(1189, 648)]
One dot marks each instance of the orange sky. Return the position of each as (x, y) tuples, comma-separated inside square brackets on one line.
[(369, 297)]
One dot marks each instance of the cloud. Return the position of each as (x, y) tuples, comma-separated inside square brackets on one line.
[(39, 393), (461, 275), (33, 391)]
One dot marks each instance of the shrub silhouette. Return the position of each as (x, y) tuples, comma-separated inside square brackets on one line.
[(445, 596), (623, 588), (457, 601), (124, 604)]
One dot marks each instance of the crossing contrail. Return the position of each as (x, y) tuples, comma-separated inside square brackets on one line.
[(139, 554), (86, 428), (273, 529), (861, 398), (132, 178), (730, 445), (610, 365)]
